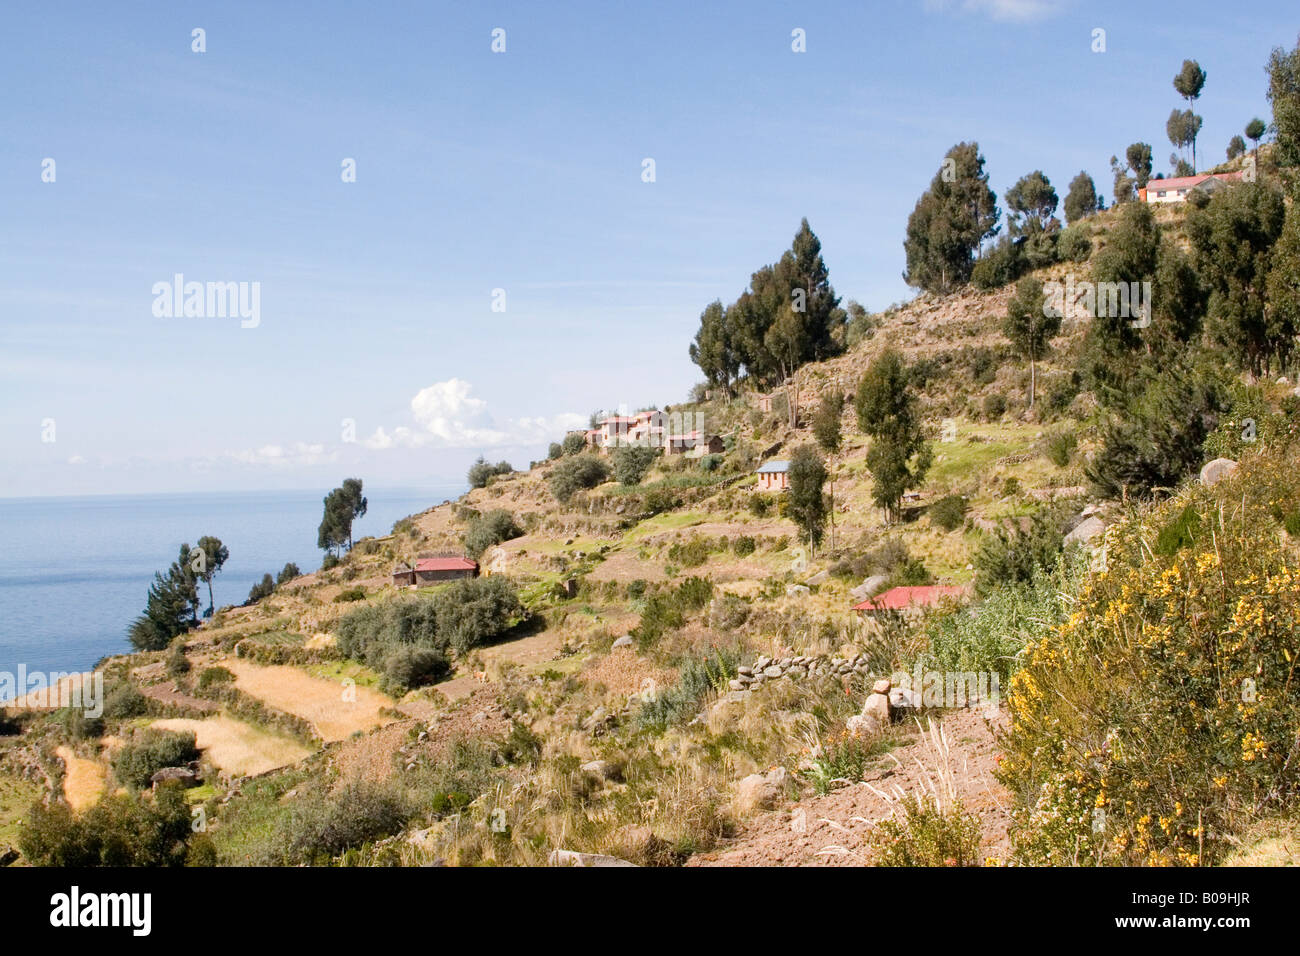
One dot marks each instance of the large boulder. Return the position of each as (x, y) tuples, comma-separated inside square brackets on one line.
[(1086, 531), (761, 791), (869, 588), (1215, 471), (184, 775)]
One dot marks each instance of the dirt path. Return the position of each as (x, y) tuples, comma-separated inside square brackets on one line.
[(322, 702), (835, 826), (83, 780), (237, 747)]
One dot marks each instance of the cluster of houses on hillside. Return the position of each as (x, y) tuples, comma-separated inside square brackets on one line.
[(676, 434)]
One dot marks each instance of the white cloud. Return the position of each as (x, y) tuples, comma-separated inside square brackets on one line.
[(448, 416), (76, 460), (282, 456)]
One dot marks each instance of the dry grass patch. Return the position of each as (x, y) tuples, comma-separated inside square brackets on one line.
[(321, 702), (237, 747), (83, 779)]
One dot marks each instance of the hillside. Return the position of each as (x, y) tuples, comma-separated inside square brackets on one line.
[(609, 714)]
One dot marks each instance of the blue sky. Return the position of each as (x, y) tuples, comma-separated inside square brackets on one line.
[(478, 171)]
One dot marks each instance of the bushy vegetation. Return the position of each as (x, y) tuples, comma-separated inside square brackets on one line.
[(410, 641), (482, 472), (575, 474), (1158, 719), (150, 751), (699, 676), (1012, 556), (120, 830), (490, 529), (667, 609), (927, 833), (948, 513), (631, 462)]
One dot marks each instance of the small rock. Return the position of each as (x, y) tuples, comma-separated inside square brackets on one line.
[(599, 768), (773, 672), (881, 686), (624, 641), (1215, 471), (877, 706)]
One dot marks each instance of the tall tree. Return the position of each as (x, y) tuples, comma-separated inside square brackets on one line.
[(1081, 200), (826, 423), (1236, 147), (1030, 327), (1182, 128), (1255, 131), (889, 412), (343, 505), (1189, 82), (1284, 287), (712, 349), (1284, 95), (807, 504), (950, 221), (214, 556), (1130, 256), (1232, 238), (1138, 157), (788, 316), (171, 607), (1031, 202)]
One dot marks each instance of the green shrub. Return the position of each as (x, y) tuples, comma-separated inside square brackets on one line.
[(631, 462), (927, 834), (760, 505), (1074, 244), (125, 701), (490, 529), (323, 824), (1059, 447), (1003, 264), (990, 637), (948, 512), (348, 595), (1011, 557), (120, 830), (150, 751), (575, 474), (667, 610), (699, 676), (743, 546), (176, 662), (214, 677), (691, 554), (994, 406), (481, 472)]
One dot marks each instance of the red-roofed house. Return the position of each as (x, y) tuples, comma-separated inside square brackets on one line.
[(435, 570), (1178, 188), (907, 599)]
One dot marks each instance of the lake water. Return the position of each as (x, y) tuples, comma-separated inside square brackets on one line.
[(74, 572)]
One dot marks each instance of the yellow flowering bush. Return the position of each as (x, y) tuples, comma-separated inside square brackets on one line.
[(1162, 715)]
